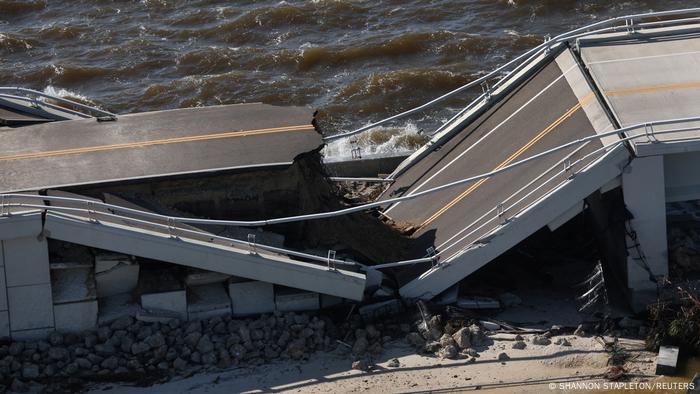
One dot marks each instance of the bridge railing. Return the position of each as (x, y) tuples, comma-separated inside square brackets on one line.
[(503, 73), (36, 98), (89, 208)]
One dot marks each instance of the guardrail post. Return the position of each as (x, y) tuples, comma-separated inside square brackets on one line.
[(2, 205), (649, 132), (547, 38), (568, 169), (171, 228), (355, 151), (486, 89), (629, 25), (433, 256), (91, 211), (251, 244), (501, 213), (331, 260)]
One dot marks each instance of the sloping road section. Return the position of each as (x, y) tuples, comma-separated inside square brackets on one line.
[(469, 225)]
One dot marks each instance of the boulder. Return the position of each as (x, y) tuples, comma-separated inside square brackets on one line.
[(122, 323), (449, 351), (462, 338), (520, 345), (30, 371), (360, 365)]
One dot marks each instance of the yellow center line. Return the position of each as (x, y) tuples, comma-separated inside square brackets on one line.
[(649, 89), (509, 160), (561, 119), (165, 141)]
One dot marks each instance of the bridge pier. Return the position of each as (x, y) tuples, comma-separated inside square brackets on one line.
[(647, 258), (26, 306)]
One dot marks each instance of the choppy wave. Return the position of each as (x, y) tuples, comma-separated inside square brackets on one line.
[(20, 7), (380, 141), (10, 43), (355, 60)]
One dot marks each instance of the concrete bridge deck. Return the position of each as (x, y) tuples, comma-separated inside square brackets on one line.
[(103, 228), (553, 107), (153, 145), (649, 76)]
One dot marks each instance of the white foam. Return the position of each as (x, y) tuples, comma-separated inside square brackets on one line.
[(395, 145)]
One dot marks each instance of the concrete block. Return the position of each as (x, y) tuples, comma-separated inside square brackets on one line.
[(667, 360), (76, 316), (116, 306), (207, 301), (115, 274), (4, 324), (252, 297), (30, 307), (288, 300), (31, 335), (72, 283), (169, 301), (26, 261)]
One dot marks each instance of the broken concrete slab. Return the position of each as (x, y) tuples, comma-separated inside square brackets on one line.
[(167, 301), (74, 296), (294, 300), (116, 306), (115, 274), (667, 360), (206, 301), (72, 282), (251, 297)]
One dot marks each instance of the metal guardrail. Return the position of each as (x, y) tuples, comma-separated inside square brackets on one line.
[(34, 95), (649, 133), (521, 61), (92, 213), (90, 205)]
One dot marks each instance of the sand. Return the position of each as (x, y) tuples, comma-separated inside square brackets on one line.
[(530, 370)]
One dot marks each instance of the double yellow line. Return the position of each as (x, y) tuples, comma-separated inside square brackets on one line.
[(566, 115), (509, 160), (165, 141)]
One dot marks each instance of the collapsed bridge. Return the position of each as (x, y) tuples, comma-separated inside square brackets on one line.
[(610, 106)]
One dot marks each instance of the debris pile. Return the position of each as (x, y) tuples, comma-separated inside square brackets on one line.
[(675, 318)]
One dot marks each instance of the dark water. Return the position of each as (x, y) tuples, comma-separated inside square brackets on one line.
[(354, 60)]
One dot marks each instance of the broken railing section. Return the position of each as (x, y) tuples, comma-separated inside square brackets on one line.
[(594, 287)]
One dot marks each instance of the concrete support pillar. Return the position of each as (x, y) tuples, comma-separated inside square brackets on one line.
[(4, 314), (644, 195), (28, 286)]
